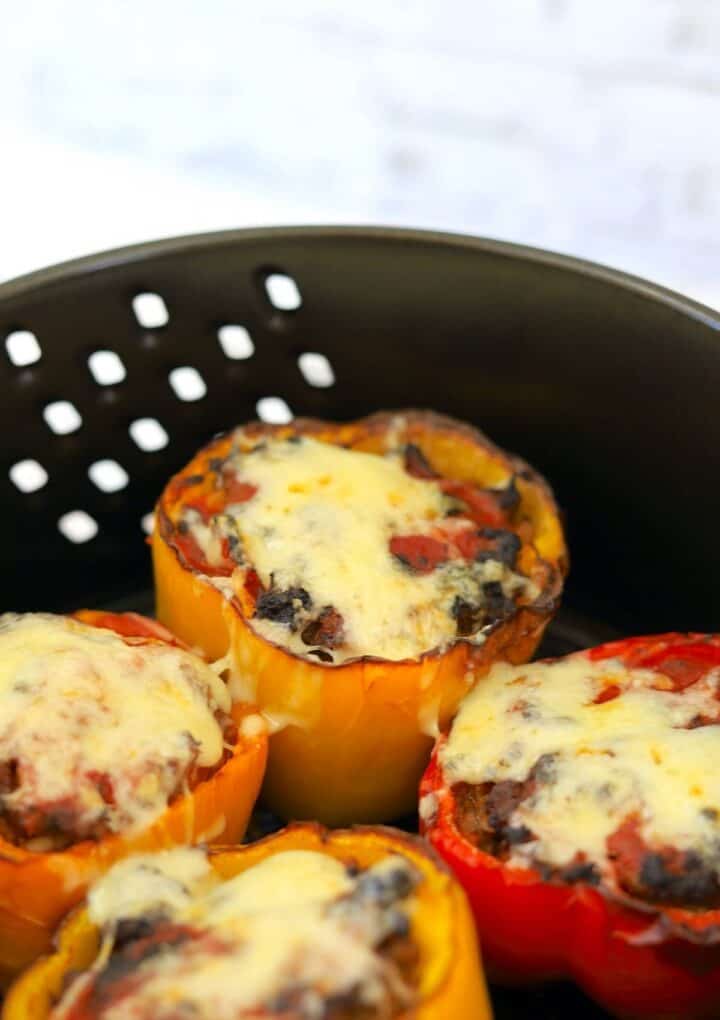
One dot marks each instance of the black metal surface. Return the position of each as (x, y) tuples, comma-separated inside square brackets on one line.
[(606, 383)]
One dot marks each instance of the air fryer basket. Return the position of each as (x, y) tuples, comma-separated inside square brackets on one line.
[(607, 384)]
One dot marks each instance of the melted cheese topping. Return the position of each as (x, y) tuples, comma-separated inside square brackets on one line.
[(287, 925), (631, 755), (78, 703), (322, 520)]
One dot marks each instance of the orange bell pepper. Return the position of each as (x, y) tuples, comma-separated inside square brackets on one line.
[(37, 889), (451, 982), (351, 740)]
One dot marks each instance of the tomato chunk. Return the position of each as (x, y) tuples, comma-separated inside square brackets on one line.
[(194, 557), (608, 693), (483, 506), (238, 491), (420, 553)]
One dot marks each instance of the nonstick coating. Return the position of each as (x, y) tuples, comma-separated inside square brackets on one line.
[(607, 384)]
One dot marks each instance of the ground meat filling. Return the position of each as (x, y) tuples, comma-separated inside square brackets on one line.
[(623, 794), (472, 549), (374, 911), (100, 732), (665, 876), (282, 606), (156, 938), (483, 814), (54, 825)]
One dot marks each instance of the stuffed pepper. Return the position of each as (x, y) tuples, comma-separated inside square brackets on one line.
[(578, 801), (362, 576), (349, 925), (114, 739)]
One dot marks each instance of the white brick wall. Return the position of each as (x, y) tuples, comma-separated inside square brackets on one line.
[(587, 127)]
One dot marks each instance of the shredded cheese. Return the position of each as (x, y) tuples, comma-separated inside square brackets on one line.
[(322, 519), (297, 923), (631, 755), (98, 728)]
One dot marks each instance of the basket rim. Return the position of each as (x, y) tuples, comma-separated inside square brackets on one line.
[(137, 253)]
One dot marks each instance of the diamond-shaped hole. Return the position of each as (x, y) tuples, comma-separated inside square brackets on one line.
[(22, 348), (147, 523), (150, 311), (273, 410), (28, 475), (316, 369), (148, 434), (106, 368), (283, 293), (108, 475), (62, 417), (187, 383), (236, 342), (78, 526)]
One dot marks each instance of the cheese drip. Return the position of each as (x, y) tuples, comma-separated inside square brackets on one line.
[(322, 520), (97, 727), (292, 924), (628, 756)]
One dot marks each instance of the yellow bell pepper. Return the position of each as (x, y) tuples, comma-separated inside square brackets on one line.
[(451, 984), (353, 739)]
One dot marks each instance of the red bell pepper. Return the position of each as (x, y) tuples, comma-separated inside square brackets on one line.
[(637, 959)]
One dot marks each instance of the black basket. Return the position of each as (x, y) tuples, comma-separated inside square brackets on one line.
[(607, 384)]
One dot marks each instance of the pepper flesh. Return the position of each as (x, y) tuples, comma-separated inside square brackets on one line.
[(37, 889), (637, 959), (451, 983), (351, 741)]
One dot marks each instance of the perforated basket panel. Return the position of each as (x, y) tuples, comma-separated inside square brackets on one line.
[(605, 383)]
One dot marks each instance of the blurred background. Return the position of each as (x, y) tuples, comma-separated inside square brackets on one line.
[(589, 128)]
